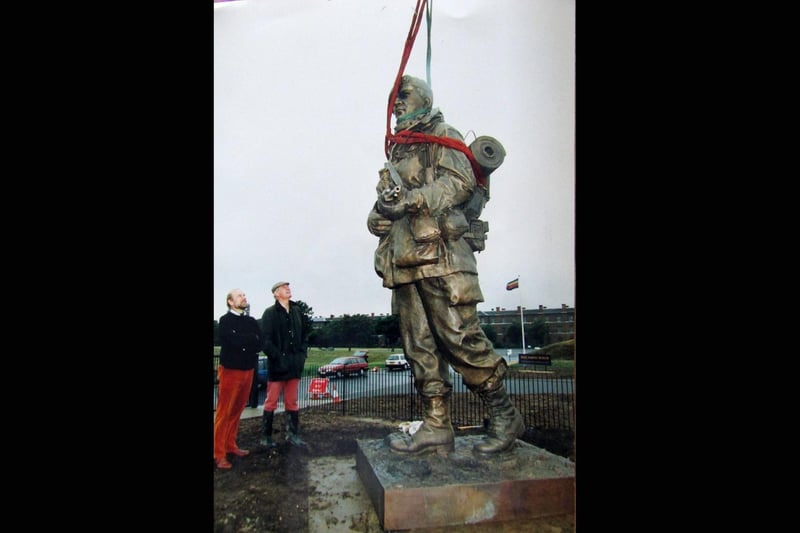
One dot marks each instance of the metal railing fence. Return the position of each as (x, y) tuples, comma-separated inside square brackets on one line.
[(544, 401)]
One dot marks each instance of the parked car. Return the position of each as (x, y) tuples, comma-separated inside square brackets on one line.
[(344, 366), (261, 372), (397, 361)]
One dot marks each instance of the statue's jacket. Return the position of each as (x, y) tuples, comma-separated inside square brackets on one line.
[(430, 244)]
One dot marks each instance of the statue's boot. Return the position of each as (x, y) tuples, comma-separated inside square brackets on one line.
[(506, 424), (435, 435)]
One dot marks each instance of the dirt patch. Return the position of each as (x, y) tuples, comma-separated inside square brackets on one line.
[(268, 491)]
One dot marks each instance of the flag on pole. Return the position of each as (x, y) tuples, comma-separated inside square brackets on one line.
[(513, 284)]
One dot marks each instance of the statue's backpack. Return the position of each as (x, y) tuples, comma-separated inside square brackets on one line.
[(489, 154)]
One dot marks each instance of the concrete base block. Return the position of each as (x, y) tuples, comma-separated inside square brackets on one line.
[(416, 492)]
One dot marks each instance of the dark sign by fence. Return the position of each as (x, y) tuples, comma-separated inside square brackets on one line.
[(534, 359)]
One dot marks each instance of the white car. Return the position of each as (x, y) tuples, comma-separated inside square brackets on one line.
[(397, 361)]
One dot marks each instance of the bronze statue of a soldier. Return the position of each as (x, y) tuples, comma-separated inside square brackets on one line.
[(425, 259)]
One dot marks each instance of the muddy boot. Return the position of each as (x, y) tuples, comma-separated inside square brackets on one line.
[(434, 435), (506, 425), (293, 428), (266, 429)]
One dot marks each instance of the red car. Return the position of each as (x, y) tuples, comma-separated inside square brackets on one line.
[(344, 366)]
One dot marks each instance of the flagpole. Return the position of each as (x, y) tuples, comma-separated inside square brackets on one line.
[(521, 317)]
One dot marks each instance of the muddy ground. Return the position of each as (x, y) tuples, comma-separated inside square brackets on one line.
[(279, 500)]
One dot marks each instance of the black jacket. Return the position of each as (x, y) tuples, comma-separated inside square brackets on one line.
[(240, 341), (284, 341)]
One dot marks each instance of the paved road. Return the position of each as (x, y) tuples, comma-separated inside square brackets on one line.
[(399, 382)]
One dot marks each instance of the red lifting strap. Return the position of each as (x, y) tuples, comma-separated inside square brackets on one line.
[(408, 137), (412, 34)]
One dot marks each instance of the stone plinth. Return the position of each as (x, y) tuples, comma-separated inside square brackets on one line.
[(410, 492)]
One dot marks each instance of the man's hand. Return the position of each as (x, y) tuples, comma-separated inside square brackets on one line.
[(377, 224), (407, 201)]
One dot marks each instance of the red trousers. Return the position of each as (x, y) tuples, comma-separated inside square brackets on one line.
[(288, 388), (233, 394)]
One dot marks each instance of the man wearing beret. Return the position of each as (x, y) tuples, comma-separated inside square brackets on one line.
[(285, 346)]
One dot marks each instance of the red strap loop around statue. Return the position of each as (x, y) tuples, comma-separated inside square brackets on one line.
[(409, 137)]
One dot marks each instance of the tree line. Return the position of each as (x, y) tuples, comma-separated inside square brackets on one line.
[(366, 331)]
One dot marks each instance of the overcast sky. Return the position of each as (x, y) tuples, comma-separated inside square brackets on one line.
[(300, 94)]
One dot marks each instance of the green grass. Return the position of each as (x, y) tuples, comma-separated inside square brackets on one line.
[(377, 357)]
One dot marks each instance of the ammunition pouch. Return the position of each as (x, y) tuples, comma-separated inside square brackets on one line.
[(453, 224), (424, 228), (407, 250), (421, 253), (476, 236)]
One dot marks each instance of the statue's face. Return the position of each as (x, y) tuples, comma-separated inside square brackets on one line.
[(408, 100)]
